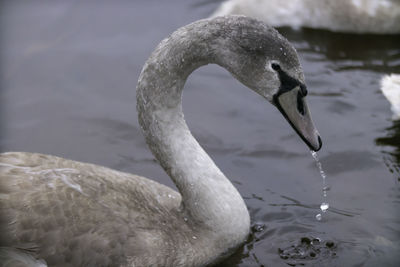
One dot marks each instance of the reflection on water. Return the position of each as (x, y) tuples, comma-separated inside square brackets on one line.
[(358, 51), (69, 72), (391, 144)]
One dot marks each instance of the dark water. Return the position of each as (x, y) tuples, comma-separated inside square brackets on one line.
[(68, 76)]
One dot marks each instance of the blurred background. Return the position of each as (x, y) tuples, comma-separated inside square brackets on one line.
[(68, 72)]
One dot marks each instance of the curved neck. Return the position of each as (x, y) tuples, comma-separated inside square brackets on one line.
[(208, 197)]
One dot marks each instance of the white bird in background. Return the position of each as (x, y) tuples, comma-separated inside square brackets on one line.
[(358, 16), (390, 86)]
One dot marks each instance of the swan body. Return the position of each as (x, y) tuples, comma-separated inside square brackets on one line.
[(65, 213), (358, 16), (390, 86)]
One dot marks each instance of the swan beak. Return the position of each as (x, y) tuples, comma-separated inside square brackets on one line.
[(294, 108)]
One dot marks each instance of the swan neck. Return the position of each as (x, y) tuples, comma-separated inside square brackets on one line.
[(208, 197)]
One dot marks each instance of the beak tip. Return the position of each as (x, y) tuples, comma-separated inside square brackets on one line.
[(316, 145), (319, 144)]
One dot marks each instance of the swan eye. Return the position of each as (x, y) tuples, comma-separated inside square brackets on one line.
[(275, 66)]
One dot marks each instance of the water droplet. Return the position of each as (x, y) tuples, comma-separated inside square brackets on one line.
[(258, 227), (316, 241), (324, 206), (314, 154)]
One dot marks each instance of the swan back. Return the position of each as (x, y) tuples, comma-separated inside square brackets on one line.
[(83, 214)]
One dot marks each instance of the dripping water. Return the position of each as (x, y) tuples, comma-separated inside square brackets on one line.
[(324, 205)]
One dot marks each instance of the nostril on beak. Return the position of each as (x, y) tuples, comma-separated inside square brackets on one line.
[(303, 90)]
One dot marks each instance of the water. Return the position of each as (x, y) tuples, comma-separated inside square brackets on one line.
[(324, 205), (68, 75)]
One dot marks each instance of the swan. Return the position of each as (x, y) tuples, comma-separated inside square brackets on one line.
[(390, 87), (61, 212), (357, 16)]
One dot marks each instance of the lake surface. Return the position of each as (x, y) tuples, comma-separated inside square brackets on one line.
[(68, 76)]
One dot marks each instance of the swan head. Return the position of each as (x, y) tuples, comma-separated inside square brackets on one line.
[(266, 62)]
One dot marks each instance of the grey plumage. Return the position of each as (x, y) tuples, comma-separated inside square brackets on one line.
[(68, 213)]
